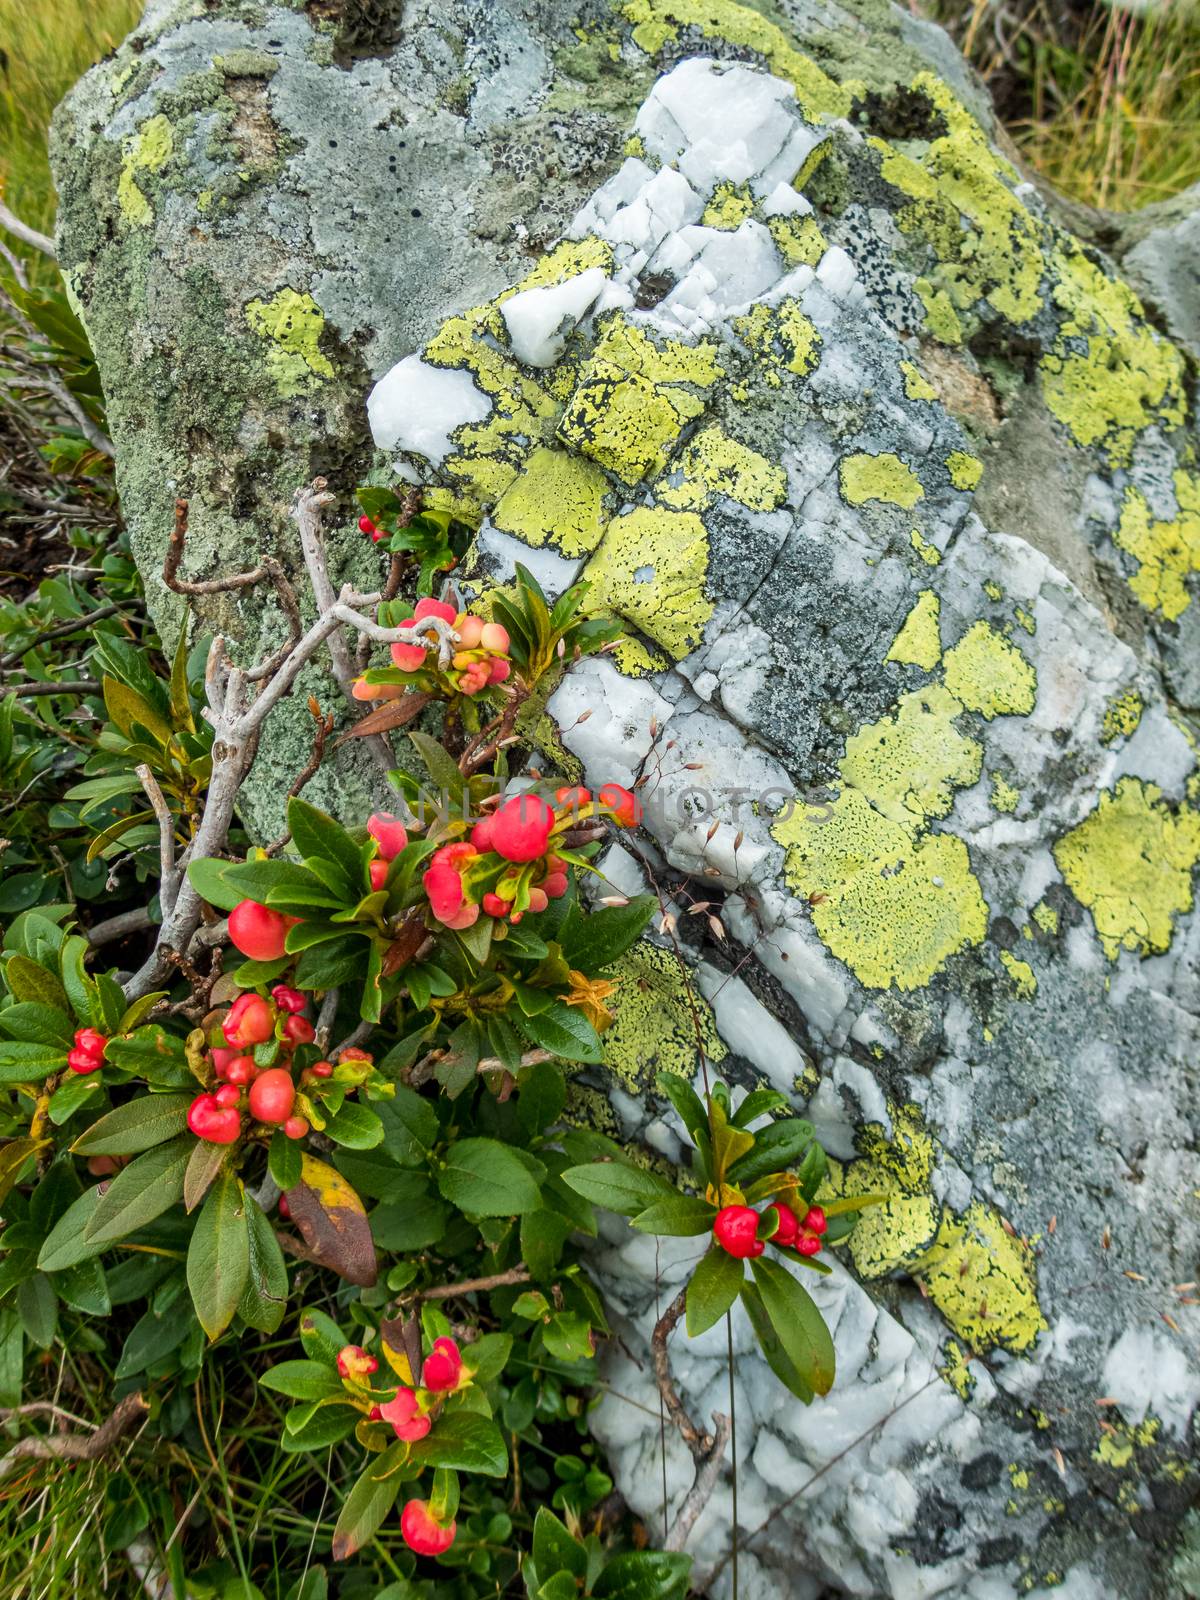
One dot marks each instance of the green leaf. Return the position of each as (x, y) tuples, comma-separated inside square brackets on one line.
[(207, 877), (29, 980), (411, 1126), (618, 1187), (644, 1575), (138, 1125), (368, 1503), (13, 1157), (681, 1216), (68, 1244), (264, 1299), (315, 833), (468, 1442), (713, 1288), (70, 1097), (757, 1104), (686, 1102), (541, 1097), (564, 1030), (284, 1160), (448, 781), (218, 1259), (152, 1338), (303, 1380), (554, 1549), (355, 1127), (22, 1062), (144, 1190), (543, 1235), (37, 1307), (487, 1179), (411, 1224), (331, 1425), (321, 1337), (596, 940), (777, 1147), (486, 1358), (798, 1324)]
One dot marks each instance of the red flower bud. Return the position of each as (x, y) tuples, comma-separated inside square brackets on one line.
[(403, 1412), (258, 932), (789, 1223), (808, 1243), (538, 899), (272, 1095), (297, 1030), (481, 833), (421, 1533), (102, 1166), (815, 1220), (554, 886), (285, 1210), (434, 608), (365, 525), (213, 1123), (241, 1070), (295, 1127), (353, 1053), (353, 1362), (574, 796), (83, 1062), (227, 1095), (735, 1230), (289, 1000), (443, 1366), (444, 887), (625, 806), (408, 657), (250, 1021), (389, 833), (495, 907), (521, 828), (322, 1069), (91, 1041)]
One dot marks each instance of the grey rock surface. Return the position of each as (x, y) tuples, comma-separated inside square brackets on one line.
[(742, 316)]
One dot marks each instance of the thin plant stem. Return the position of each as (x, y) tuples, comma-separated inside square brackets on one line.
[(733, 1447)]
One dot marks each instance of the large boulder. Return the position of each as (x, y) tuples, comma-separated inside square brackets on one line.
[(745, 318)]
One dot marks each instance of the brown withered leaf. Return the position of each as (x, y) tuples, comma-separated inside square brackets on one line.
[(333, 1222), (391, 714), (401, 1341), (405, 945)]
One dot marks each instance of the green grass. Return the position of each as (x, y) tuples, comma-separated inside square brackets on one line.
[(45, 45)]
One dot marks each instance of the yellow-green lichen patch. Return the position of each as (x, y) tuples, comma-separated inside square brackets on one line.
[(982, 1280), (291, 324), (1167, 553), (1004, 796), (989, 674), (988, 246), (728, 206), (993, 590), (929, 553), (557, 498), (883, 477), (908, 765), (1121, 716), (1130, 862), (799, 240), (965, 471), (894, 906), (919, 643), (489, 454), (957, 1371), (781, 338), (1025, 620), (566, 260), (635, 661), (633, 399), (650, 568), (894, 1235), (1021, 973), (657, 23), (148, 150), (655, 1024), (1127, 378), (916, 385), (713, 463), (1046, 917), (1119, 1441)]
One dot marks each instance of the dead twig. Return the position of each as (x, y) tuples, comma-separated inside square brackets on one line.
[(707, 1449), (424, 1069), (12, 223), (79, 1446), (448, 1291)]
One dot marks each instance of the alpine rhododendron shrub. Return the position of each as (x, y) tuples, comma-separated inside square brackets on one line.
[(332, 1105)]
